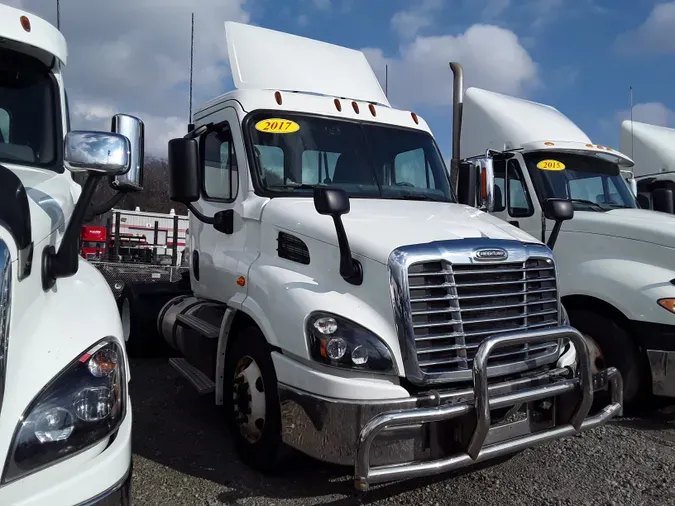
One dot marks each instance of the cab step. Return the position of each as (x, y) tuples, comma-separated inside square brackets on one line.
[(200, 326), (198, 379)]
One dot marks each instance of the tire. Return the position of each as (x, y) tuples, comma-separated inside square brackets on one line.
[(249, 352), (617, 348), (139, 306)]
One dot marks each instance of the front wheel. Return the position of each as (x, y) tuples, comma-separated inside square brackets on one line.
[(251, 400), (611, 346)]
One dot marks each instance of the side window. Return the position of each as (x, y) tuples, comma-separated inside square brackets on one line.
[(411, 167), (520, 205), (271, 161), (221, 175), (4, 126), (318, 166), (499, 167)]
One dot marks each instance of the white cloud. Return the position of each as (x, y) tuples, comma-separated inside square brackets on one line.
[(135, 54), (655, 35), (492, 57), (303, 20), (654, 113), (409, 22)]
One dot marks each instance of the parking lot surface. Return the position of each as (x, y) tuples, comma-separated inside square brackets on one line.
[(183, 456)]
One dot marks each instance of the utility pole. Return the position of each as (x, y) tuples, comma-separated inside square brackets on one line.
[(58, 14)]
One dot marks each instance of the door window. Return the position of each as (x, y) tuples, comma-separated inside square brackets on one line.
[(520, 205), (221, 174)]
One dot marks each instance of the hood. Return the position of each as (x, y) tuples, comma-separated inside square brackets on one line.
[(375, 227), (636, 224), (51, 197)]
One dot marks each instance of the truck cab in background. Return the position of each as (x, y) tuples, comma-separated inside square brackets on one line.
[(65, 413), (652, 149), (339, 299), (615, 260)]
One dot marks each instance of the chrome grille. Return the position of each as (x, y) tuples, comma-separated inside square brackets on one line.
[(455, 307)]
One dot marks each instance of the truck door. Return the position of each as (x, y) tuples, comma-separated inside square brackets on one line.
[(223, 188), (513, 199)]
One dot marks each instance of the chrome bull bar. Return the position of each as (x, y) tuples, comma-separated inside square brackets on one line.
[(476, 452)]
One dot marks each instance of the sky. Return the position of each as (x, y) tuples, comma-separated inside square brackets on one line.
[(580, 56)]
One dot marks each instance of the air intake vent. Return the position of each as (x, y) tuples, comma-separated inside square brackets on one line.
[(293, 249)]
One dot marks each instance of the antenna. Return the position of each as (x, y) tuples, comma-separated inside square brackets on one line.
[(386, 81), (58, 14), (192, 51), (631, 122)]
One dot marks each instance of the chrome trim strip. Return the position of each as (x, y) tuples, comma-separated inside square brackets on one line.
[(5, 312), (456, 252)]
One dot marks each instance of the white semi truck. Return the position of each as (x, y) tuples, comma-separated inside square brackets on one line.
[(652, 148), (339, 300), (65, 415), (617, 278)]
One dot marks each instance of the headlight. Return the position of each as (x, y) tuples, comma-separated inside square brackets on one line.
[(339, 342), (82, 405)]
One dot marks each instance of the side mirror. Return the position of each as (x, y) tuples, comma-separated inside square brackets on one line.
[(331, 201), (558, 210), (633, 186), (662, 200), (334, 202), (184, 170), (99, 152), (486, 184), (134, 130)]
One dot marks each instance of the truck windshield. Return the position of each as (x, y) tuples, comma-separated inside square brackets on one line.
[(590, 182), (27, 111), (295, 152)]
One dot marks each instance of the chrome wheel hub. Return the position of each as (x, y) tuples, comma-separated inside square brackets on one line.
[(248, 394)]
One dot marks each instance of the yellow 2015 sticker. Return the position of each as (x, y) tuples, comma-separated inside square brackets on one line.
[(277, 126), (551, 165)]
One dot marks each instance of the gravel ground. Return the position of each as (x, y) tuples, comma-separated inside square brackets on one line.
[(182, 456)]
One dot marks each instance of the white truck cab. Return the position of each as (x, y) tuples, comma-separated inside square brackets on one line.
[(617, 276), (339, 299), (652, 148), (65, 415)]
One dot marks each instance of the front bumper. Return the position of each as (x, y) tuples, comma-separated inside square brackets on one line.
[(118, 495), (440, 431)]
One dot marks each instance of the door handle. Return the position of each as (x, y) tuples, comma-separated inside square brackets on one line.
[(514, 222)]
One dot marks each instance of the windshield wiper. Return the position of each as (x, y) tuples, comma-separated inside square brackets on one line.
[(590, 203), (294, 186), (417, 196)]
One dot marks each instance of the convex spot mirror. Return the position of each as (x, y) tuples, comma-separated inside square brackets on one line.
[(558, 210), (331, 201)]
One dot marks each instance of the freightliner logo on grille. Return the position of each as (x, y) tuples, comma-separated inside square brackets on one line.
[(491, 254)]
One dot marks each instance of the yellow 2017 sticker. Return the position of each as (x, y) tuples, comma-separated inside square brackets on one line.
[(277, 126), (551, 165)]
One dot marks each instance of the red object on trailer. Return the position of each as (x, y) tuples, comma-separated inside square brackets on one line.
[(93, 242)]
